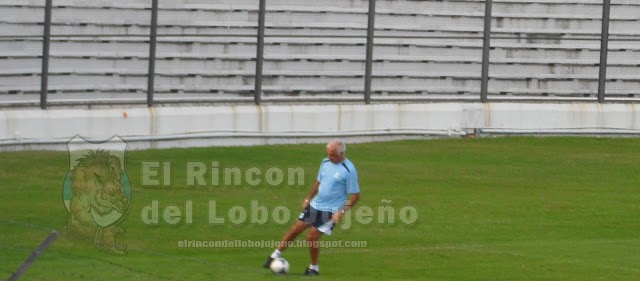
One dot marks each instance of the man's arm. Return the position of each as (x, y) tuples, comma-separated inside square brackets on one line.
[(347, 206), (312, 193)]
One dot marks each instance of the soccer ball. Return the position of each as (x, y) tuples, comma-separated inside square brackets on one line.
[(279, 266)]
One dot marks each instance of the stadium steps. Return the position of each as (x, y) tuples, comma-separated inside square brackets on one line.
[(335, 81), (386, 46), (527, 27), (502, 62), (471, 90), (585, 8), (83, 20), (541, 28)]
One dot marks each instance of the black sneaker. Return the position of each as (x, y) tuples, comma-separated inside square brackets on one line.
[(311, 272), (267, 263)]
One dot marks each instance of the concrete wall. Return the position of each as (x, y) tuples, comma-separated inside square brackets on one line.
[(191, 126)]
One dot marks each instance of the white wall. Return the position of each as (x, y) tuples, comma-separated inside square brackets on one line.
[(190, 126)]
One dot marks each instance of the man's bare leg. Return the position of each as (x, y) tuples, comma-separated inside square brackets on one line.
[(295, 230)]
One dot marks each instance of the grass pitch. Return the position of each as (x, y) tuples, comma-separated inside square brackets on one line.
[(487, 209)]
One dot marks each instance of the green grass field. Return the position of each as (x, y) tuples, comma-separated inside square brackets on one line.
[(488, 209)]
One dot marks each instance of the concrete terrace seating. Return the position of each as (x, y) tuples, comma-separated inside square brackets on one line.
[(408, 18), (534, 54)]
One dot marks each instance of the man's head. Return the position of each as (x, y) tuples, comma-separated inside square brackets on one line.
[(336, 150)]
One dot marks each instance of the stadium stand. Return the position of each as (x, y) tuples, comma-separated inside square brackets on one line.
[(429, 48)]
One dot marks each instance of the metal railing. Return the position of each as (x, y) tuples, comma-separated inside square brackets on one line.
[(370, 36)]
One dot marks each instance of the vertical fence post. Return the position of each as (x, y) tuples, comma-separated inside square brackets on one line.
[(604, 50), (257, 91), (369, 60), (152, 52), (486, 50), (46, 40)]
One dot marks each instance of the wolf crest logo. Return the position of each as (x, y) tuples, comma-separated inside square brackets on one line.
[(97, 192)]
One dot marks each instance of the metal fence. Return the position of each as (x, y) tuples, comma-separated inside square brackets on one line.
[(369, 61)]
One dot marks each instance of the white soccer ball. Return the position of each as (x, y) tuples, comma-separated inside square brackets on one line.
[(279, 266)]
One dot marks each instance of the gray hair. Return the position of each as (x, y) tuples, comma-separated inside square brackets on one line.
[(341, 147)]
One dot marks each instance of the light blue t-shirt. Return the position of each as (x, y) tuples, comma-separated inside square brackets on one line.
[(336, 181)]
